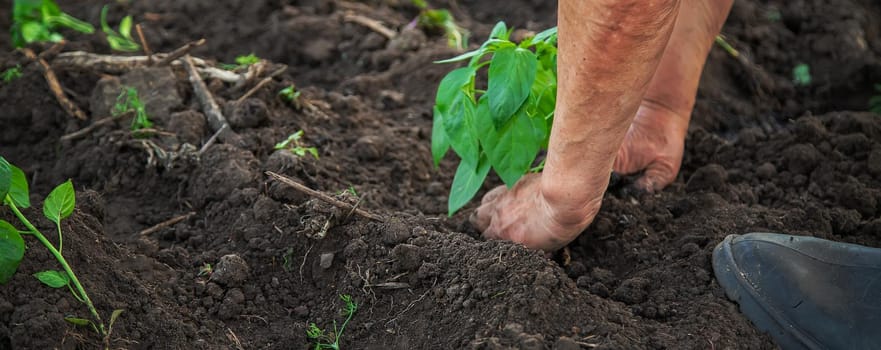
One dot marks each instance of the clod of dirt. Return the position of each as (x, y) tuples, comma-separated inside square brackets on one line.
[(392, 99), (281, 161), (810, 129), (801, 158), (766, 171), (407, 40), (566, 343), (395, 232), (231, 270), (249, 113), (319, 50), (409, 256), (104, 95), (355, 250), (224, 168), (232, 304), (326, 260), (189, 125), (874, 161), (708, 177), (370, 148), (632, 291)]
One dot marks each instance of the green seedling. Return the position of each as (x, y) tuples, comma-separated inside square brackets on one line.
[(57, 207), (11, 74), (206, 270), (39, 21), (122, 40), (801, 74), (441, 20), (293, 144), (241, 62), (128, 101), (331, 340), (505, 126), (875, 101), (291, 95)]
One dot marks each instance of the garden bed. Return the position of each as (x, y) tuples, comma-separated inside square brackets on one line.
[(763, 154)]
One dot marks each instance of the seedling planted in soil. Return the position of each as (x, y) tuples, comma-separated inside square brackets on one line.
[(11, 74), (293, 144), (128, 101), (331, 340), (57, 206), (440, 19), (801, 74), (40, 20), (505, 126), (291, 95), (241, 62), (122, 40)]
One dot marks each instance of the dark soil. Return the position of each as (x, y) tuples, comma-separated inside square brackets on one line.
[(762, 155)]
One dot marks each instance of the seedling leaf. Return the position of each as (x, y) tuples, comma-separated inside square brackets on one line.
[(76, 321), (114, 316), (801, 74), (52, 278), (511, 75), (60, 202), (18, 188), (11, 250), (440, 143), (5, 178), (466, 182)]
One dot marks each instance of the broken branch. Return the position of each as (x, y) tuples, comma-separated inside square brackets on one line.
[(71, 108), (261, 84), (370, 23), (216, 120), (322, 196), (166, 223)]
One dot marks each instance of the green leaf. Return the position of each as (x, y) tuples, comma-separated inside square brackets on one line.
[(5, 178), (114, 315), (440, 144), (18, 188), (499, 31), (466, 183), (60, 202), (11, 250), (548, 36), (511, 75), (512, 149), (32, 32), (463, 56), (76, 321), (52, 278), (125, 27), (457, 108)]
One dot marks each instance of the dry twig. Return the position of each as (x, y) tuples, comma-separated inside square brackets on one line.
[(166, 223), (215, 117), (85, 131), (261, 84), (371, 24), (144, 44), (180, 52), (322, 196), (71, 108), (110, 64)]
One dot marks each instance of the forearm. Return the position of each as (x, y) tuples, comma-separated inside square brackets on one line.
[(608, 52), (675, 83)]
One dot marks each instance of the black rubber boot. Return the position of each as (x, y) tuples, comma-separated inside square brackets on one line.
[(808, 293)]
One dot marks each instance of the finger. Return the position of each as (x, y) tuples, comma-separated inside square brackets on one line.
[(658, 175), (491, 196)]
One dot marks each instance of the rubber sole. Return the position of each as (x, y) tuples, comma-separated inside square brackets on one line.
[(764, 316)]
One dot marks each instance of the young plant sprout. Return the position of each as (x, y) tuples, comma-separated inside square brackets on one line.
[(241, 62), (801, 74), (440, 19), (293, 144), (122, 40), (331, 340), (291, 95), (39, 21), (57, 206), (505, 126), (11, 74), (128, 101)]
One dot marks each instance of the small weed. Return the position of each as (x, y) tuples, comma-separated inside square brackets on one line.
[(293, 144), (205, 270), (122, 40), (11, 74), (875, 101), (128, 101), (241, 62), (39, 21), (801, 74), (291, 95), (331, 340), (15, 195), (440, 19)]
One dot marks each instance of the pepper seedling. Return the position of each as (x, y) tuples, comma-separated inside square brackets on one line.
[(128, 101), (331, 340), (293, 144), (11, 74), (122, 40), (242, 61), (40, 20), (58, 206), (505, 126), (291, 95), (441, 19)]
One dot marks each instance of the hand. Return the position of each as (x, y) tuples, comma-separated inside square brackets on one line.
[(654, 143), (524, 215)]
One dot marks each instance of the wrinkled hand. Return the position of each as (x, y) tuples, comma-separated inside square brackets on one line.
[(653, 144), (524, 215)]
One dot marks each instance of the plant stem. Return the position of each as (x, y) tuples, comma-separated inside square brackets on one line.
[(62, 261)]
